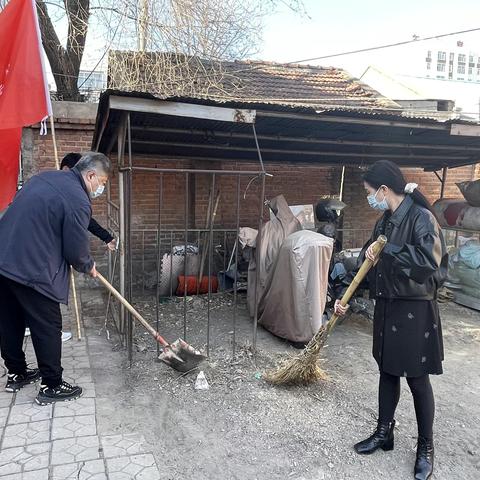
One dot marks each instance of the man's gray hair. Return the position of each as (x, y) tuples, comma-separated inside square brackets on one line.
[(94, 161)]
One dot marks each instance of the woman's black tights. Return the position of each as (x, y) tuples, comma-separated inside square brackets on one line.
[(389, 394)]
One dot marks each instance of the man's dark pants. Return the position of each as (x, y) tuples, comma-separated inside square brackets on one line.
[(19, 306)]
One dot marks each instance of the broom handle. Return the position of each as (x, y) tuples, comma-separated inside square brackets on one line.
[(361, 274), (129, 307)]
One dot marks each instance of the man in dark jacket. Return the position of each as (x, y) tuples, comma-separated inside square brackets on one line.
[(68, 162), (42, 233)]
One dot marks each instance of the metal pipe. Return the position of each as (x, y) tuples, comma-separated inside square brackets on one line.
[(190, 170), (342, 183), (259, 153)]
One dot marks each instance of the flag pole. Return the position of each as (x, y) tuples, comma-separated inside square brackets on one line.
[(72, 275)]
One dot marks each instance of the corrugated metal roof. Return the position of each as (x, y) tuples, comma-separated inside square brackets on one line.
[(289, 133)]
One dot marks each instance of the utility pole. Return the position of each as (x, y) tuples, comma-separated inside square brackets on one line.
[(143, 25)]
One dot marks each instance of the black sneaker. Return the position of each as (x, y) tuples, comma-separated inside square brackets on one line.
[(63, 393), (16, 381)]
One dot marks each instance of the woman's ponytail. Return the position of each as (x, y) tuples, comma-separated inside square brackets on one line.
[(389, 174)]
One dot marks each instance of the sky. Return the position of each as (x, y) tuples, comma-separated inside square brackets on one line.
[(343, 25)]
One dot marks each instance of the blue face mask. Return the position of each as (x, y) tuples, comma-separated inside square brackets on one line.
[(375, 204)]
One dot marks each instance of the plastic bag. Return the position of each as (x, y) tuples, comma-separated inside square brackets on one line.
[(471, 192), (469, 254)]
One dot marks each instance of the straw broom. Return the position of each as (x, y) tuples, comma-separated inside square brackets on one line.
[(303, 368)]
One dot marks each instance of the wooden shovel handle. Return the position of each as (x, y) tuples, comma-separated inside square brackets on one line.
[(129, 307), (367, 264)]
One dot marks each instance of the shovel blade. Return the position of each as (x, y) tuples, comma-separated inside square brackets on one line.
[(181, 356)]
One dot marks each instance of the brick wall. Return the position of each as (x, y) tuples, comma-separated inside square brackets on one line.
[(38, 155), (359, 218)]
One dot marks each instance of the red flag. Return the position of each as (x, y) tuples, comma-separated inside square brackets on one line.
[(9, 164), (24, 96)]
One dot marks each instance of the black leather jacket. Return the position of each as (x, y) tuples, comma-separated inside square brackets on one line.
[(414, 263)]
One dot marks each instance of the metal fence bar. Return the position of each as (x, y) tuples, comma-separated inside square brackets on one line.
[(210, 254), (185, 261), (171, 264), (176, 235), (257, 272), (159, 248), (235, 287)]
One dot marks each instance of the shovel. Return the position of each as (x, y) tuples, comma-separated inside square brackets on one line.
[(178, 355)]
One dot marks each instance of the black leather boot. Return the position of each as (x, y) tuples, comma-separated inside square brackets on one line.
[(424, 462), (382, 438)]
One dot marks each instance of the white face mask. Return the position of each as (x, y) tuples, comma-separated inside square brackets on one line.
[(96, 193)]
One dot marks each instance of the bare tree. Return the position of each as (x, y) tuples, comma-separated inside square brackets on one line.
[(65, 60), (213, 30)]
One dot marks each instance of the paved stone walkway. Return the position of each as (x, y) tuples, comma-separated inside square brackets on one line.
[(61, 441)]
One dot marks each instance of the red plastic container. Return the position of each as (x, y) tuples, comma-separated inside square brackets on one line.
[(192, 285)]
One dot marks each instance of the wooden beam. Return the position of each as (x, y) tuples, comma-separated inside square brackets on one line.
[(102, 129), (307, 140), (350, 162), (444, 181), (320, 117), (179, 109), (294, 152), (465, 130)]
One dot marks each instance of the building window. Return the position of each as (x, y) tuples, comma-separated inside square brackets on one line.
[(478, 72), (429, 54), (462, 58), (452, 57), (440, 67), (461, 69), (450, 75), (470, 58), (470, 71), (429, 66), (442, 56)]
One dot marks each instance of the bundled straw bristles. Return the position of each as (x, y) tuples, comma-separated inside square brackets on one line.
[(303, 368)]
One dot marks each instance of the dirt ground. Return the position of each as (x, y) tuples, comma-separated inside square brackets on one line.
[(242, 428)]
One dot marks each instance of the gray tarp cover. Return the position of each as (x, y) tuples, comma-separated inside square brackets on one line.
[(293, 275)]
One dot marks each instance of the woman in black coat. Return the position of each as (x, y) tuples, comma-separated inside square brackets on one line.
[(407, 333)]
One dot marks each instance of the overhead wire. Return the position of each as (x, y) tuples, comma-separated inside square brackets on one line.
[(388, 45)]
